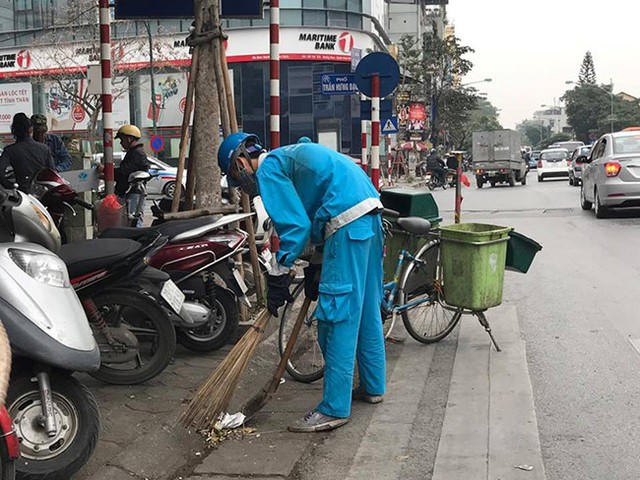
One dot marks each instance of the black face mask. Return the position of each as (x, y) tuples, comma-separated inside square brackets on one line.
[(248, 183)]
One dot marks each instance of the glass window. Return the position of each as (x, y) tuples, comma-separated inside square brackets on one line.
[(238, 22), (354, 5), (314, 17), (314, 3), (337, 19), (354, 21), (337, 4), (290, 3), (261, 22), (291, 17)]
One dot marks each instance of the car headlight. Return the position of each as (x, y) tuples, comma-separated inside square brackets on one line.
[(44, 268)]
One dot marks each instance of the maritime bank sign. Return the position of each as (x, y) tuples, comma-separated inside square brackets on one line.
[(328, 41)]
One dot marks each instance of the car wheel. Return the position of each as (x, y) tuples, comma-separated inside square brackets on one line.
[(584, 203), (601, 212), (169, 189), (540, 179)]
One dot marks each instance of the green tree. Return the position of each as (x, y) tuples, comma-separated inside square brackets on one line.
[(588, 110), (431, 68), (535, 131), (587, 75), (482, 118)]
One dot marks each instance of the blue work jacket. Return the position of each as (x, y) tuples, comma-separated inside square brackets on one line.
[(309, 191)]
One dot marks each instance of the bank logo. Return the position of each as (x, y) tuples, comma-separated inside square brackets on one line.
[(23, 59), (345, 42)]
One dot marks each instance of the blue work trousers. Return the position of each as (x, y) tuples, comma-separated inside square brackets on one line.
[(348, 312)]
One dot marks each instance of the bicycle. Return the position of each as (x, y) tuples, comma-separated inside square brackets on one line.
[(417, 288)]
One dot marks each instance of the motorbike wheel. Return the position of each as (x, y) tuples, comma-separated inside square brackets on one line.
[(142, 317), (221, 327), (78, 420), (7, 465)]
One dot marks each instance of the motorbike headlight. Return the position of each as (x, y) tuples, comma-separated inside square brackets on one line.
[(44, 268)]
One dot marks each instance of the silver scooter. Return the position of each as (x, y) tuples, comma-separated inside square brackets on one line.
[(56, 417)]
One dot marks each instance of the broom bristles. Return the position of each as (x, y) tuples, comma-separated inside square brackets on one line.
[(216, 392)]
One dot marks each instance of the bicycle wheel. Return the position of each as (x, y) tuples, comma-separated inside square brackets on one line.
[(430, 320), (306, 363)]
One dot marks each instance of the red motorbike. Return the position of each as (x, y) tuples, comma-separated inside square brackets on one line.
[(198, 257)]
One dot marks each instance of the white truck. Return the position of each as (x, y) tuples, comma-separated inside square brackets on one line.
[(497, 158)]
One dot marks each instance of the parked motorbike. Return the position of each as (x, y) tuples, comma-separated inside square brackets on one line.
[(434, 181), (130, 307), (55, 417)]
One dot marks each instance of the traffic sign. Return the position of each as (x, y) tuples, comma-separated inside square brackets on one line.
[(332, 84), (388, 125), (382, 64), (386, 109), (157, 143)]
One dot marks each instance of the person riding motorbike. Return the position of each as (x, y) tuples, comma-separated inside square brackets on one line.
[(314, 193), (435, 165)]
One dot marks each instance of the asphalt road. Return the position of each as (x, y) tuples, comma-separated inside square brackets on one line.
[(578, 314)]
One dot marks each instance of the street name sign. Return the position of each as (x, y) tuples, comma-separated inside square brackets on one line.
[(333, 84)]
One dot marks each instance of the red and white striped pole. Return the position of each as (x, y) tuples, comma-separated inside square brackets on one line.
[(363, 136), (375, 130), (107, 99), (274, 83)]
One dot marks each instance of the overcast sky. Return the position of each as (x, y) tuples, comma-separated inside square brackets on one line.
[(530, 48)]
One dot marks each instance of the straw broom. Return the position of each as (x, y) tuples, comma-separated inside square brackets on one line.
[(215, 394)]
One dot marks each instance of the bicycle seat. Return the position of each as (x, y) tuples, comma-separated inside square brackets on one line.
[(415, 225)]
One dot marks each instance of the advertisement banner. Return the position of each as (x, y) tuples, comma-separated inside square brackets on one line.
[(170, 98), (402, 109), (417, 117), (65, 114), (14, 98)]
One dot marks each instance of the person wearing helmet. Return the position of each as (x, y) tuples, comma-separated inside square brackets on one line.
[(135, 160), (26, 157), (435, 165), (313, 193), (59, 151)]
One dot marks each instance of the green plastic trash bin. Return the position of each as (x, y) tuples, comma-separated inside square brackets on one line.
[(520, 252), (473, 264)]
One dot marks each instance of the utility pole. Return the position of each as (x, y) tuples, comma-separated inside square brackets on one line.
[(154, 105)]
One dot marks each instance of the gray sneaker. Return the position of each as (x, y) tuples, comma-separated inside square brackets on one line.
[(359, 394), (315, 421)]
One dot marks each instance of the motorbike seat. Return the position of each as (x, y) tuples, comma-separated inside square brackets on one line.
[(88, 256), (415, 225), (169, 229)]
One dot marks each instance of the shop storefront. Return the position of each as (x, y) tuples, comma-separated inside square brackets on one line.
[(46, 79)]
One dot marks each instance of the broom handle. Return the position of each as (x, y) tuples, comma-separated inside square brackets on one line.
[(275, 381)]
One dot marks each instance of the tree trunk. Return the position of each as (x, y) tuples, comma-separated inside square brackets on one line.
[(206, 115)]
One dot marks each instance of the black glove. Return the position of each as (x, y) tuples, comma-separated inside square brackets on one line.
[(278, 292), (312, 281)]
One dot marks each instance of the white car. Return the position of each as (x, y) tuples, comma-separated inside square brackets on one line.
[(553, 162), (162, 185)]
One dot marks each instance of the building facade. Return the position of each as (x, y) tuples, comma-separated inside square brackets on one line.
[(46, 64)]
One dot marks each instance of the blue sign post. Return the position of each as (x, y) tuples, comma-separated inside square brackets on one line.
[(157, 143), (332, 84)]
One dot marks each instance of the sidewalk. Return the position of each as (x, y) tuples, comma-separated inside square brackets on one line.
[(484, 429)]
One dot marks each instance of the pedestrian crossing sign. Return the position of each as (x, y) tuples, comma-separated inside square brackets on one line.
[(389, 125)]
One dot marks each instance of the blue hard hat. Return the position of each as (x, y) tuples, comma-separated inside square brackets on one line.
[(232, 146)]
